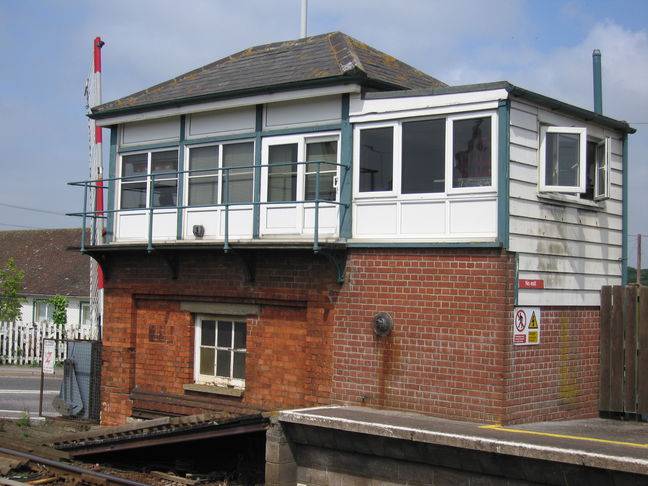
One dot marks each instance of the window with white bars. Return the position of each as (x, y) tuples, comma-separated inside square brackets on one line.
[(220, 351)]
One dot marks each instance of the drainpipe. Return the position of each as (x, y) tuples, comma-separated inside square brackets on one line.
[(598, 86)]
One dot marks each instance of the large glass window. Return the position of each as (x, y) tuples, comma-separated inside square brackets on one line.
[(426, 156), (423, 157), (235, 184), (376, 159), (471, 152), (221, 350), (149, 174)]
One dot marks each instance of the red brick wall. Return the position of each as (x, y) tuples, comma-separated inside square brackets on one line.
[(149, 340), (559, 378), (446, 353), (450, 353)]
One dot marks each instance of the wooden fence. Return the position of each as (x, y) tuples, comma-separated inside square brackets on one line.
[(624, 350), (22, 343)]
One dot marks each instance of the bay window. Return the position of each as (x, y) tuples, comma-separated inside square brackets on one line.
[(428, 156)]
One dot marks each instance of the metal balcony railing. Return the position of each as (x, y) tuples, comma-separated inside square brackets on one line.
[(114, 183)]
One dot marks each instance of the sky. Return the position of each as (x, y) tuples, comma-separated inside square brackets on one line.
[(46, 45)]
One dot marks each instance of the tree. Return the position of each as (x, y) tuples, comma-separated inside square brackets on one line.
[(10, 290), (59, 315)]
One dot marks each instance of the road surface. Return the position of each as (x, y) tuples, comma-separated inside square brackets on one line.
[(20, 391)]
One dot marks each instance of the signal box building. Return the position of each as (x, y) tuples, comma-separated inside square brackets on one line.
[(314, 222)]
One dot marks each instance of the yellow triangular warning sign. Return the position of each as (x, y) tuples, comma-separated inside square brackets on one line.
[(534, 322)]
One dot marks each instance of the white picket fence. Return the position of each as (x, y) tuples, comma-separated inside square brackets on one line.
[(22, 343)]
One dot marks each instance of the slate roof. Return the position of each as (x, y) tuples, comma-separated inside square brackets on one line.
[(333, 58), (49, 267)]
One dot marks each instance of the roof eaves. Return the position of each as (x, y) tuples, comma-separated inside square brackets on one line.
[(347, 78), (350, 77), (516, 91), (568, 109)]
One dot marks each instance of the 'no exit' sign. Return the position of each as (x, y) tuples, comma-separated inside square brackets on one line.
[(525, 283)]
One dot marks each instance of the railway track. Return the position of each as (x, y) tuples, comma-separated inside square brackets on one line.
[(50, 472)]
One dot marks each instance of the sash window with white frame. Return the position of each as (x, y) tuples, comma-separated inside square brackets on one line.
[(149, 175), (208, 186), (220, 351)]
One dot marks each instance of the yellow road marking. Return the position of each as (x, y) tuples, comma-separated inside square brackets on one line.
[(561, 436)]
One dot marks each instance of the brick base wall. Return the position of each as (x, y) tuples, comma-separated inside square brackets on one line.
[(450, 352), (446, 353), (559, 378)]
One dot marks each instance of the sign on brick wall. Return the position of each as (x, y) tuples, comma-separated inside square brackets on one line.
[(526, 326)]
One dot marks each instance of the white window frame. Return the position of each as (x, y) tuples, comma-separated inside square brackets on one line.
[(147, 178), (215, 379), (49, 310), (603, 164), (84, 309), (396, 159), (396, 191), (301, 141), (220, 175), (449, 175), (582, 163)]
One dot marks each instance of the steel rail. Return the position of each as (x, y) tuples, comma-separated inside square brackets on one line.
[(74, 469)]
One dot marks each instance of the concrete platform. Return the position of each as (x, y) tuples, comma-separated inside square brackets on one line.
[(599, 444)]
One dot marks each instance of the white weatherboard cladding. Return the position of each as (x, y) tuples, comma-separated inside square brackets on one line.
[(153, 131), (573, 246), (316, 111), (223, 122)]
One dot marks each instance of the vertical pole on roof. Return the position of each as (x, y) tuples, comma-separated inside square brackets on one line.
[(598, 84), (304, 16)]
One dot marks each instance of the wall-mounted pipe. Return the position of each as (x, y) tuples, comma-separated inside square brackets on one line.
[(598, 84)]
